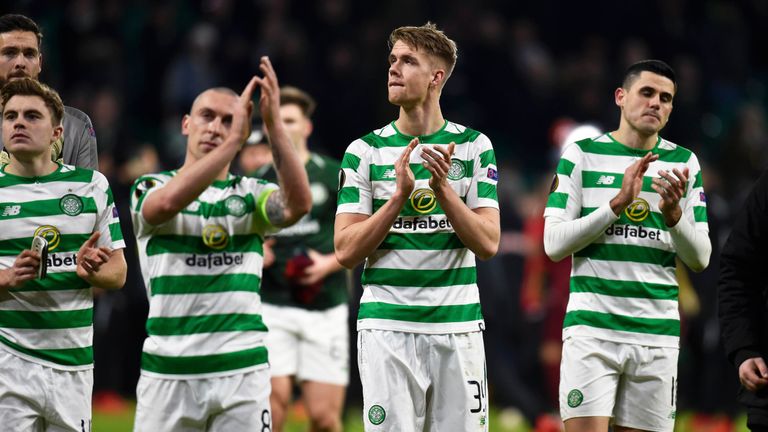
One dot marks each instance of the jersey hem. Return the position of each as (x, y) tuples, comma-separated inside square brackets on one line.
[(45, 363), (204, 375)]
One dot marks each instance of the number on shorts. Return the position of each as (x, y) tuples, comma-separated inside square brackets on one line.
[(479, 395), (266, 421)]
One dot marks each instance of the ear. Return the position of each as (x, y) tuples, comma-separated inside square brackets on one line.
[(438, 76), (185, 125), (57, 133), (41, 62), (619, 96), (308, 128)]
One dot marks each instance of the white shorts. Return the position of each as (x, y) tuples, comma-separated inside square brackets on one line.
[(414, 382), (310, 345), (634, 384), (231, 403), (34, 397)]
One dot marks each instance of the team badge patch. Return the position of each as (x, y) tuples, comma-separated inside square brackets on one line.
[(215, 236), (493, 174), (115, 214), (702, 197), (555, 184), (71, 204), (236, 205), (457, 171), (638, 211), (377, 415), (575, 398)]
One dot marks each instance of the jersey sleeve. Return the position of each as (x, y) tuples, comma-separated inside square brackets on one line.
[(485, 176), (355, 191), (564, 200), (141, 189), (695, 209), (108, 220)]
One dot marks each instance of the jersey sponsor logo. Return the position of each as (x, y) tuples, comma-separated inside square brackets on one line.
[(215, 236), (11, 210), (631, 231), (575, 398), (377, 415), (50, 233), (606, 180), (236, 205), (390, 174), (214, 260), (492, 174), (62, 260), (423, 200), (457, 171), (417, 224), (71, 204), (638, 211)]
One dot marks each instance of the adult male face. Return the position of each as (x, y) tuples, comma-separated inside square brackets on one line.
[(28, 128), (411, 73), (296, 124), (209, 122), (647, 103), (19, 56)]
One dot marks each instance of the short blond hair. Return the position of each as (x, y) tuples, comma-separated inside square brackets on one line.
[(294, 96), (429, 39)]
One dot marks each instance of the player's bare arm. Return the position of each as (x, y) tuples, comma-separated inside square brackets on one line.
[(101, 266), (195, 177), (478, 229), (24, 268), (294, 199), (356, 236), (632, 183)]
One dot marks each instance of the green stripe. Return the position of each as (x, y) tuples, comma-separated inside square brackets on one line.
[(173, 285), (349, 195), (618, 288), (565, 167), (46, 319), (487, 190), (350, 161), (219, 208), (419, 278), (67, 243), (440, 137), (658, 326), (377, 172), (187, 325), (628, 253), (63, 281), (589, 179), (424, 314), (408, 209), (62, 356), (654, 220), (431, 241), (699, 180), (700, 214), (204, 364), (115, 232), (487, 157), (49, 207), (557, 200), (79, 175), (614, 148), (110, 198), (163, 244)]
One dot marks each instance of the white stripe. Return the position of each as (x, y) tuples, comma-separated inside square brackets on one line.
[(182, 305), (80, 337), (616, 270), (421, 259), (443, 296), (203, 343), (47, 301), (634, 307), (417, 327)]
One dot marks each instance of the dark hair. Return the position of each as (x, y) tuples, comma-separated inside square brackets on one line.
[(31, 87), (16, 22), (292, 95), (655, 66), (428, 38)]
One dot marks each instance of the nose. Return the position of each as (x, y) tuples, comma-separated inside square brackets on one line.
[(394, 68), (214, 126)]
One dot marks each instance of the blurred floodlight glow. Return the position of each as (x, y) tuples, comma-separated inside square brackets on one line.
[(581, 132)]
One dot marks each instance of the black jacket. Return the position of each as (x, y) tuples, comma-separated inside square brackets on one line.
[(743, 287)]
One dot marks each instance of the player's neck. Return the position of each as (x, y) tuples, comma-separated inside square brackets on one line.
[(33, 167), (303, 151), (420, 120), (633, 138)]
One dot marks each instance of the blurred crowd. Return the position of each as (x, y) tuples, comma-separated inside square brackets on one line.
[(528, 73)]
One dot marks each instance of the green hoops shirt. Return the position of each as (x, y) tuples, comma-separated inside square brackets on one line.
[(313, 231), (623, 285), (50, 321), (421, 278), (202, 270)]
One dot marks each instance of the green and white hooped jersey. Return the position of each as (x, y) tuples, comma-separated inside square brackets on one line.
[(50, 321), (421, 278), (623, 285), (202, 271)]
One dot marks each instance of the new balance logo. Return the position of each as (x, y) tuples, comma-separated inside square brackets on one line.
[(390, 173), (606, 180), (11, 210)]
